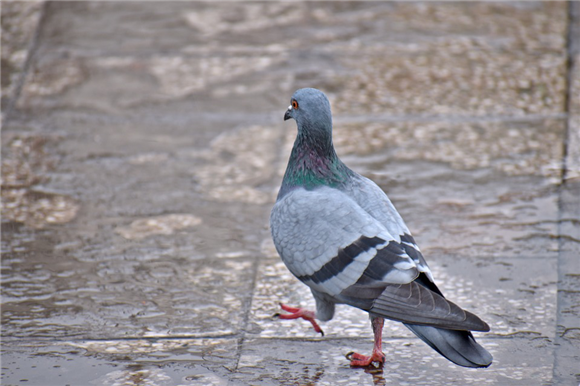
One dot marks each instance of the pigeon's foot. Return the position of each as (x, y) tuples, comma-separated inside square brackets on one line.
[(358, 360), (296, 313)]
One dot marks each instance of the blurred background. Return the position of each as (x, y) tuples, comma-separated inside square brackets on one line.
[(142, 149)]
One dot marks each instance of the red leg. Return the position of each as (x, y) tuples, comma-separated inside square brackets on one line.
[(358, 360), (296, 313)]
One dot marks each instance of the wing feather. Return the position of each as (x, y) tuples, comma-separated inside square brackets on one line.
[(338, 257), (345, 253)]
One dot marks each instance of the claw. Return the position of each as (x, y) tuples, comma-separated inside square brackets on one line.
[(359, 360)]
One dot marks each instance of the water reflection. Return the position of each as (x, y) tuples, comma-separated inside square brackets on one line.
[(136, 375), (377, 376), (25, 165)]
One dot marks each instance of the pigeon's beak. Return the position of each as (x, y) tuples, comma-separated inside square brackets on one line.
[(287, 115)]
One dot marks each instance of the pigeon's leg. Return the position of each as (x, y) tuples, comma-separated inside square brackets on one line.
[(358, 360), (296, 313)]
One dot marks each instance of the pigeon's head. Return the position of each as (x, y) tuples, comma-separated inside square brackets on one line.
[(311, 110)]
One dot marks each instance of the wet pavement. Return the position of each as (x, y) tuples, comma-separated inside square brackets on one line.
[(143, 146)]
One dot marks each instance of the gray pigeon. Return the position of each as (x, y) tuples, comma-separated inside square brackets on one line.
[(339, 233)]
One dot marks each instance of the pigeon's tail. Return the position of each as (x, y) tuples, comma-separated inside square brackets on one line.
[(458, 346)]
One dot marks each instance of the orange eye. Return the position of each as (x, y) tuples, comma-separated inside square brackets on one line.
[(295, 105)]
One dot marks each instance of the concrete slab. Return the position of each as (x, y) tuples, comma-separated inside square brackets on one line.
[(409, 362), (111, 362)]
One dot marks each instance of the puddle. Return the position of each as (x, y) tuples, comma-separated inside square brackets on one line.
[(53, 76), (123, 298), (179, 77), (25, 161), (25, 164), (515, 148), (183, 362), (161, 225), (236, 18), (238, 163), (408, 362), (38, 209)]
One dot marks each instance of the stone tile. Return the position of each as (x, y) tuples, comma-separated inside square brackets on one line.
[(123, 297), (514, 66), (529, 27), (452, 77), (527, 287), (113, 85), (90, 271), (514, 148), (456, 68), (409, 362), (110, 362)]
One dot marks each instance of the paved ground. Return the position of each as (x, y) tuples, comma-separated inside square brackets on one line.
[(143, 144)]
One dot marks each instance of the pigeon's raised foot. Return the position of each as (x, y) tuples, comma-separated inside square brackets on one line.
[(359, 360), (296, 313)]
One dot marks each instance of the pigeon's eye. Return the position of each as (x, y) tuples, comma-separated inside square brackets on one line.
[(295, 105)]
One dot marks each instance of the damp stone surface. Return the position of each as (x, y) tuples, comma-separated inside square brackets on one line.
[(143, 145)]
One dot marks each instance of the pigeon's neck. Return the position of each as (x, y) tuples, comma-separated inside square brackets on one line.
[(313, 164)]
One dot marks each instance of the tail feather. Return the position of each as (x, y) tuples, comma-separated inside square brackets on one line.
[(458, 346)]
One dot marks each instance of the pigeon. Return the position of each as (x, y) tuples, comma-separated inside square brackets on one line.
[(339, 234)]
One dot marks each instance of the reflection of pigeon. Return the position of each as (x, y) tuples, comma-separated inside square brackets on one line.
[(339, 233)]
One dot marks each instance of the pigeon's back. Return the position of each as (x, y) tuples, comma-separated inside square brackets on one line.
[(370, 197)]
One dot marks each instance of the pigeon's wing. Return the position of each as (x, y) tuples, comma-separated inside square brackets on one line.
[(328, 242), (422, 292), (411, 303), (337, 248), (373, 200)]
